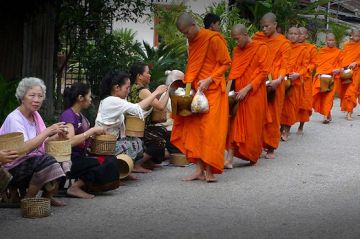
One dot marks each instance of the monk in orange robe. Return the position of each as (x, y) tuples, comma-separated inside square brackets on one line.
[(279, 56), (249, 70), (351, 60), (327, 62), (305, 104), (202, 137), (297, 70)]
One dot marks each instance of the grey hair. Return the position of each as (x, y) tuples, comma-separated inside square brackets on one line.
[(27, 83)]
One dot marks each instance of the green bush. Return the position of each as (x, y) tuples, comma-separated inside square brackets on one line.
[(8, 100)]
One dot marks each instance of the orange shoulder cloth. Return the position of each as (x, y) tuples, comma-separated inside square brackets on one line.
[(198, 49), (242, 58)]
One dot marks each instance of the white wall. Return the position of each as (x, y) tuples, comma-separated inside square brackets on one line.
[(145, 29)]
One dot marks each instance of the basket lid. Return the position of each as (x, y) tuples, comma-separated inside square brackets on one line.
[(105, 137)]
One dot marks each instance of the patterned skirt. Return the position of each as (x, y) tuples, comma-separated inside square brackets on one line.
[(37, 171), (155, 142), (132, 146)]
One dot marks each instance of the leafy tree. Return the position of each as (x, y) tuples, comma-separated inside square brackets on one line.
[(8, 101), (229, 18), (82, 25), (288, 12)]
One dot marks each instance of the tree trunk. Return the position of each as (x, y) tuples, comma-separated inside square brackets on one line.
[(38, 55)]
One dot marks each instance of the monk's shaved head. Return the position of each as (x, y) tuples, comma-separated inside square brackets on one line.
[(294, 29), (268, 24), (330, 40), (303, 30), (303, 34), (239, 28), (240, 34), (355, 35), (184, 20), (187, 26), (293, 34), (355, 31), (330, 35), (269, 17)]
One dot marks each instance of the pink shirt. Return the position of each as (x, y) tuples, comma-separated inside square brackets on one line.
[(17, 122)]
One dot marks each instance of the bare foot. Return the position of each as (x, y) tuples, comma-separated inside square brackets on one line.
[(270, 155), (139, 169), (57, 202), (79, 193), (195, 176), (348, 117), (300, 132), (263, 154), (228, 164), (210, 178), (284, 137), (131, 177)]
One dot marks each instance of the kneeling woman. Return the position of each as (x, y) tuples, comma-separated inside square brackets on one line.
[(36, 170), (115, 89), (155, 134), (100, 172)]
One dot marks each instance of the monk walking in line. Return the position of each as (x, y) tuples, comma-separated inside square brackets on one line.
[(349, 90), (279, 57), (327, 62), (249, 70), (202, 137), (297, 71), (305, 103)]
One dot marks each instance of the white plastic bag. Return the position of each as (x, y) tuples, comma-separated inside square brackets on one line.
[(200, 103)]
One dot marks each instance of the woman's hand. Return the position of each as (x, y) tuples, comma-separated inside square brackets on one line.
[(161, 89), (97, 130), (6, 156), (57, 128)]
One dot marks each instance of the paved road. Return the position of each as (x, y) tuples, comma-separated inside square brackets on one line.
[(312, 190)]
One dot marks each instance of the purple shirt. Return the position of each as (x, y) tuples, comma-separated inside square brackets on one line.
[(81, 124)]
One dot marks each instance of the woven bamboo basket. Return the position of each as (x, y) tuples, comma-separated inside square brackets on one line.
[(59, 149), (134, 126), (126, 165), (326, 83), (35, 207), (13, 141), (103, 144), (178, 159), (5, 178)]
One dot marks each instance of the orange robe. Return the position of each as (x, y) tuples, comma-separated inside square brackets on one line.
[(298, 62), (305, 103), (326, 61), (250, 65), (349, 92), (279, 56), (203, 136)]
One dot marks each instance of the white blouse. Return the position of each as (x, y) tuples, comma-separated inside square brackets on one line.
[(111, 114)]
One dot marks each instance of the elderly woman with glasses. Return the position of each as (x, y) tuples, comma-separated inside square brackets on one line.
[(36, 170)]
